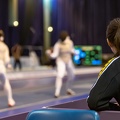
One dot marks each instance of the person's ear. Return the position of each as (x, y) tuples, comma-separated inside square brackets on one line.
[(109, 43)]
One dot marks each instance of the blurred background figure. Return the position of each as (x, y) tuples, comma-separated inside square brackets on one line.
[(62, 52), (16, 53), (5, 63), (33, 59)]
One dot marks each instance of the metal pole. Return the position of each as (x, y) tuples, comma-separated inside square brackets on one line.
[(46, 18)]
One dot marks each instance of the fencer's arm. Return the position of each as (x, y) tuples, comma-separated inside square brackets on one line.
[(73, 49), (55, 52)]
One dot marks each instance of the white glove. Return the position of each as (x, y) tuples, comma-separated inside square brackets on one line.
[(48, 52)]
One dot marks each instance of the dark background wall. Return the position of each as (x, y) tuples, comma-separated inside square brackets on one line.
[(85, 20)]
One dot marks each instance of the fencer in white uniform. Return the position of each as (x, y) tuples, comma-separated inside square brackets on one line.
[(5, 62), (62, 52)]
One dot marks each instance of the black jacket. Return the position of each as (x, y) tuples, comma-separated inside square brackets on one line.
[(106, 87)]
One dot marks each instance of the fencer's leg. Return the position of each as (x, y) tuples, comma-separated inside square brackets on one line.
[(60, 74), (71, 76), (15, 64), (58, 85), (7, 88)]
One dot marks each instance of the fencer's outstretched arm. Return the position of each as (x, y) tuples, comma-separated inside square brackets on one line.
[(73, 49)]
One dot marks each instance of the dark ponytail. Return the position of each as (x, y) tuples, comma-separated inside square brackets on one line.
[(117, 41), (113, 34)]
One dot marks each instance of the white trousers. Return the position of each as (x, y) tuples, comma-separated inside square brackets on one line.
[(63, 68), (5, 82)]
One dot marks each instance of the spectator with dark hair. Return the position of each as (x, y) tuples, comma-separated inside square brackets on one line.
[(107, 86), (16, 53)]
